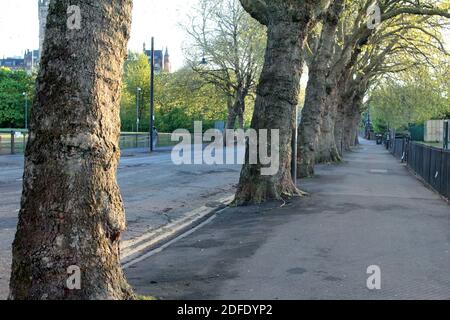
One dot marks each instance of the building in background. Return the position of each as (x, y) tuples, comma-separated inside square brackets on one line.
[(31, 60), (28, 62), (14, 63), (167, 64), (162, 61)]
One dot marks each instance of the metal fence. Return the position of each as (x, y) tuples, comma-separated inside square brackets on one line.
[(14, 141), (430, 163)]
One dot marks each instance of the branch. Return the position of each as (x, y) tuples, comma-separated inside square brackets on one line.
[(415, 11), (258, 9)]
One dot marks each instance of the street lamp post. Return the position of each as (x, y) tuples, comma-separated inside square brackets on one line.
[(26, 109), (294, 148), (138, 91), (152, 96)]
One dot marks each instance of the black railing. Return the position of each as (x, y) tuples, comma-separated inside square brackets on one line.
[(14, 141), (430, 163)]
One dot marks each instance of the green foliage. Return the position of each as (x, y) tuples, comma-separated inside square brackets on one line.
[(181, 98), (416, 96), (12, 102)]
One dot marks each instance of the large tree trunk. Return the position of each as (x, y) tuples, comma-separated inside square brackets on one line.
[(339, 129), (355, 125), (350, 113), (348, 136), (71, 211), (236, 109), (316, 94), (328, 150), (352, 118), (276, 100), (232, 115)]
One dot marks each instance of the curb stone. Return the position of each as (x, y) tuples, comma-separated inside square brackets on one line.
[(134, 248)]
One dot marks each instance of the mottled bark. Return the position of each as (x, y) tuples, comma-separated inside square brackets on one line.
[(328, 150), (71, 211), (276, 100), (316, 94), (352, 116), (231, 119), (236, 110), (349, 111)]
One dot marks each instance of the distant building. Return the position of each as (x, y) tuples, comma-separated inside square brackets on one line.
[(30, 60), (162, 61), (28, 63), (13, 63), (167, 64)]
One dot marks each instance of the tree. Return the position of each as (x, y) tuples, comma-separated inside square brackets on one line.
[(136, 75), (417, 95), (328, 105), (410, 45), (12, 86), (316, 92), (71, 215), (181, 98), (226, 50), (288, 23)]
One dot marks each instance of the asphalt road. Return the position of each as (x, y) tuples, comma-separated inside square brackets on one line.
[(154, 190), (368, 211)]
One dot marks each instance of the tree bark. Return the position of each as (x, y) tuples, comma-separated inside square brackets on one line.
[(316, 94), (232, 115), (328, 150), (276, 100), (71, 211), (352, 118)]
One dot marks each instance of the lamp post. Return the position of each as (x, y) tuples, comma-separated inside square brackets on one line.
[(26, 109), (152, 92), (138, 92), (294, 148)]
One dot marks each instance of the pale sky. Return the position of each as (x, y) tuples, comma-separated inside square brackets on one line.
[(19, 28)]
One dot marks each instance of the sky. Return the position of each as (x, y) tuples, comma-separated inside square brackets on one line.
[(19, 28)]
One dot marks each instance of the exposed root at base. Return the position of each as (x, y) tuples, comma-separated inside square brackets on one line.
[(257, 195)]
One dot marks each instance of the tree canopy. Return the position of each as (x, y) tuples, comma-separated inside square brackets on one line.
[(12, 101), (181, 98)]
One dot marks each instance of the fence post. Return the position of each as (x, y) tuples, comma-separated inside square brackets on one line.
[(446, 135)]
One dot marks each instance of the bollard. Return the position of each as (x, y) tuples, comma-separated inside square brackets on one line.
[(12, 141)]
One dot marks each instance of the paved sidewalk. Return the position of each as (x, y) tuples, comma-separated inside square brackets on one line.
[(368, 211)]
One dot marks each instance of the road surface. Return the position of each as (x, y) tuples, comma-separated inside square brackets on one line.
[(154, 190)]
